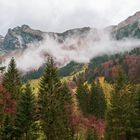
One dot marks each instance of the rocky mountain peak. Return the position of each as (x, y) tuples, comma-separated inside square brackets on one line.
[(19, 37)]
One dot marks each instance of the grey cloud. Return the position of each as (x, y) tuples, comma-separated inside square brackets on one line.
[(60, 15)]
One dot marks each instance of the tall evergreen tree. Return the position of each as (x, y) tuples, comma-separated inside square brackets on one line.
[(122, 112), (97, 104), (83, 97), (11, 80), (25, 113), (11, 83), (51, 104)]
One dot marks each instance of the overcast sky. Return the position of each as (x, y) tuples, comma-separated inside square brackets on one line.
[(60, 15)]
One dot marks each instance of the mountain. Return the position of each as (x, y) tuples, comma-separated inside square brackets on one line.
[(18, 38)]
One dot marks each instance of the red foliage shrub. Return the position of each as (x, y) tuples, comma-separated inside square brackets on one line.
[(78, 122), (7, 104)]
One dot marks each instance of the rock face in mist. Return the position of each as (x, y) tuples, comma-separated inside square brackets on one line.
[(19, 37)]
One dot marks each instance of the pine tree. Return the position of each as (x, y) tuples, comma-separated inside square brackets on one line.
[(97, 104), (11, 80), (82, 97), (122, 112), (52, 104), (25, 114)]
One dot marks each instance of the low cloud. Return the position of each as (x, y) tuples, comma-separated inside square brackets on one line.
[(78, 49)]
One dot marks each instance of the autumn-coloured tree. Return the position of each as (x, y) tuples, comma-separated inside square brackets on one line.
[(12, 84), (7, 111)]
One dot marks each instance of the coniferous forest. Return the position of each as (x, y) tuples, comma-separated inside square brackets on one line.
[(68, 109)]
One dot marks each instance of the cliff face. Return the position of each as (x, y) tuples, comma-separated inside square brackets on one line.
[(19, 37)]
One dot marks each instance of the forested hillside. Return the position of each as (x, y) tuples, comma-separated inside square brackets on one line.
[(68, 110)]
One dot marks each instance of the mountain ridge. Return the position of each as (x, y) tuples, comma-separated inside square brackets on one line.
[(19, 37)]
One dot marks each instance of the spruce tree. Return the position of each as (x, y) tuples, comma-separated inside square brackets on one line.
[(11, 80), (97, 104), (122, 112), (65, 110), (25, 114), (52, 105), (82, 97)]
